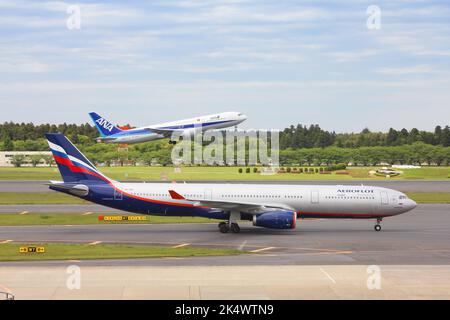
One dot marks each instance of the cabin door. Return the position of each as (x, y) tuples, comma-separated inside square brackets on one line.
[(384, 198), (208, 194), (314, 197)]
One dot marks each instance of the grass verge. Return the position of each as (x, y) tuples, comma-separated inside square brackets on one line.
[(79, 219), (429, 197), (39, 198), (219, 173), (10, 252)]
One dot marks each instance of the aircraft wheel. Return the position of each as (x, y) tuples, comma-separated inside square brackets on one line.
[(377, 227), (221, 224), (224, 228), (235, 228)]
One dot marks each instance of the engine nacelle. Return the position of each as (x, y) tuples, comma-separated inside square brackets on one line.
[(276, 220)]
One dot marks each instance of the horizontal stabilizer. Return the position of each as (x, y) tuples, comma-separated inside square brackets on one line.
[(75, 189)]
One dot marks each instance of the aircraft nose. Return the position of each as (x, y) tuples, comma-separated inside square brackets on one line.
[(411, 204)]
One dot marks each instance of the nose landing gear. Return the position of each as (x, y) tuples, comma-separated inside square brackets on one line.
[(378, 225)]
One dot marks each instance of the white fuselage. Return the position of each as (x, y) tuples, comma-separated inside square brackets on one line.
[(307, 200), (202, 123)]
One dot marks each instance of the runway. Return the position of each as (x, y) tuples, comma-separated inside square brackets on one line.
[(37, 186), (419, 237)]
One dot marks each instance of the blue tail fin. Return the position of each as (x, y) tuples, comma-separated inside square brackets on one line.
[(105, 127), (72, 164)]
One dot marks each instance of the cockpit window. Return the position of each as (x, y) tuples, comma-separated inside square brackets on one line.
[(403, 197)]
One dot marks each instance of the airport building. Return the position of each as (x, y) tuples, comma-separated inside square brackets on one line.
[(7, 157)]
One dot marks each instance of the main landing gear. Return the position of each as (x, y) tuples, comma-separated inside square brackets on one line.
[(225, 227), (231, 225), (172, 142), (378, 225)]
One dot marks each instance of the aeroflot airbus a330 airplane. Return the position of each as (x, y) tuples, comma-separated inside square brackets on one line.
[(110, 133), (269, 206)]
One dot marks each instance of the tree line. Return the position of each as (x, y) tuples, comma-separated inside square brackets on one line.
[(30, 137), (416, 154), (314, 137), (300, 145)]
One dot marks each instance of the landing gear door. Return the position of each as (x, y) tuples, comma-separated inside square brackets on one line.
[(314, 197), (384, 198)]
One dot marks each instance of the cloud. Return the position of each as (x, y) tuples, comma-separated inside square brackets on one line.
[(221, 53), (352, 56), (236, 14), (419, 69), (23, 65)]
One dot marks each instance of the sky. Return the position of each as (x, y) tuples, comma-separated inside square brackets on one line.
[(279, 62)]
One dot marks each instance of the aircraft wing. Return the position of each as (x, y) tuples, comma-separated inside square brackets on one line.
[(105, 139), (167, 133), (248, 207)]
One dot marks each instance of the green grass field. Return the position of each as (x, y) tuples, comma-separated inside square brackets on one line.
[(429, 197), (38, 198), (11, 219), (10, 252), (217, 173)]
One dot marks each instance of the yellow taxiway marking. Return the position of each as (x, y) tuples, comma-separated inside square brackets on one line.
[(327, 275), (94, 243), (263, 249), (6, 241), (181, 245), (24, 212), (87, 213)]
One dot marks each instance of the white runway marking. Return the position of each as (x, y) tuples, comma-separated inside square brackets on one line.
[(181, 245), (263, 249), (241, 247), (327, 275), (6, 241)]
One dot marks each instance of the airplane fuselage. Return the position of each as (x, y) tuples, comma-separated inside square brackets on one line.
[(203, 123), (308, 201)]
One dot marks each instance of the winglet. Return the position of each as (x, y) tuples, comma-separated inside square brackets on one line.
[(176, 196)]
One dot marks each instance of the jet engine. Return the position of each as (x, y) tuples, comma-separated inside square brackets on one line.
[(276, 220)]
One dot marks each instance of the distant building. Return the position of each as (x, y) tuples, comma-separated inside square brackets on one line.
[(6, 157)]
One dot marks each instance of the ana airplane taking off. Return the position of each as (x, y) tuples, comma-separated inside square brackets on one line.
[(110, 133), (269, 206)]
